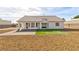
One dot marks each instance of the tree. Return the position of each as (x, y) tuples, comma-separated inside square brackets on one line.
[(63, 19), (76, 17)]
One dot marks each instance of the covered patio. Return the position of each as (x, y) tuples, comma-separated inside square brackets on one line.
[(32, 25)]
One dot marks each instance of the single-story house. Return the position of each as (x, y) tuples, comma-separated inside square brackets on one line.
[(73, 24), (40, 22)]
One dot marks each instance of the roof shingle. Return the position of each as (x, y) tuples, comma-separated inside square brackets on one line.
[(40, 18)]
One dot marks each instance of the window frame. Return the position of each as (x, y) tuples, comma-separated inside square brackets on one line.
[(57, 24)]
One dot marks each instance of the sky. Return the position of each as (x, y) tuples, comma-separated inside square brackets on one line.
[(14, 9)]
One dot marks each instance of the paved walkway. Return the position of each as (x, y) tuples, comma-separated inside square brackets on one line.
[(17, 33), (7, 28)]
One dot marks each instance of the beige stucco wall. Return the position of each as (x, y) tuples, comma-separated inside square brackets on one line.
[(72, 25)]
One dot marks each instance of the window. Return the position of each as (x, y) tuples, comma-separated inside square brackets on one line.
[(57, 24), (32, 24), (37, 24), (69, 25), (44, 25), (26, 25)]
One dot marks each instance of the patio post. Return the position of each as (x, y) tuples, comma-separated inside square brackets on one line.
[(30, 25), (40, 25), (35, 24)]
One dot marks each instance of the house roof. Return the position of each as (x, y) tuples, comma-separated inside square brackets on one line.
[(40, 18), (74, 21)]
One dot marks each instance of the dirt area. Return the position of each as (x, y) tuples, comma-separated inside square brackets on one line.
[(68, 42)]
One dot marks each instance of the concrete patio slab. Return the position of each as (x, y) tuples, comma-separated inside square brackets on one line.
[(17, 33)]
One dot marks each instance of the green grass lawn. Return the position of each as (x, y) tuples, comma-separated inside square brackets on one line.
[(50, 32)]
